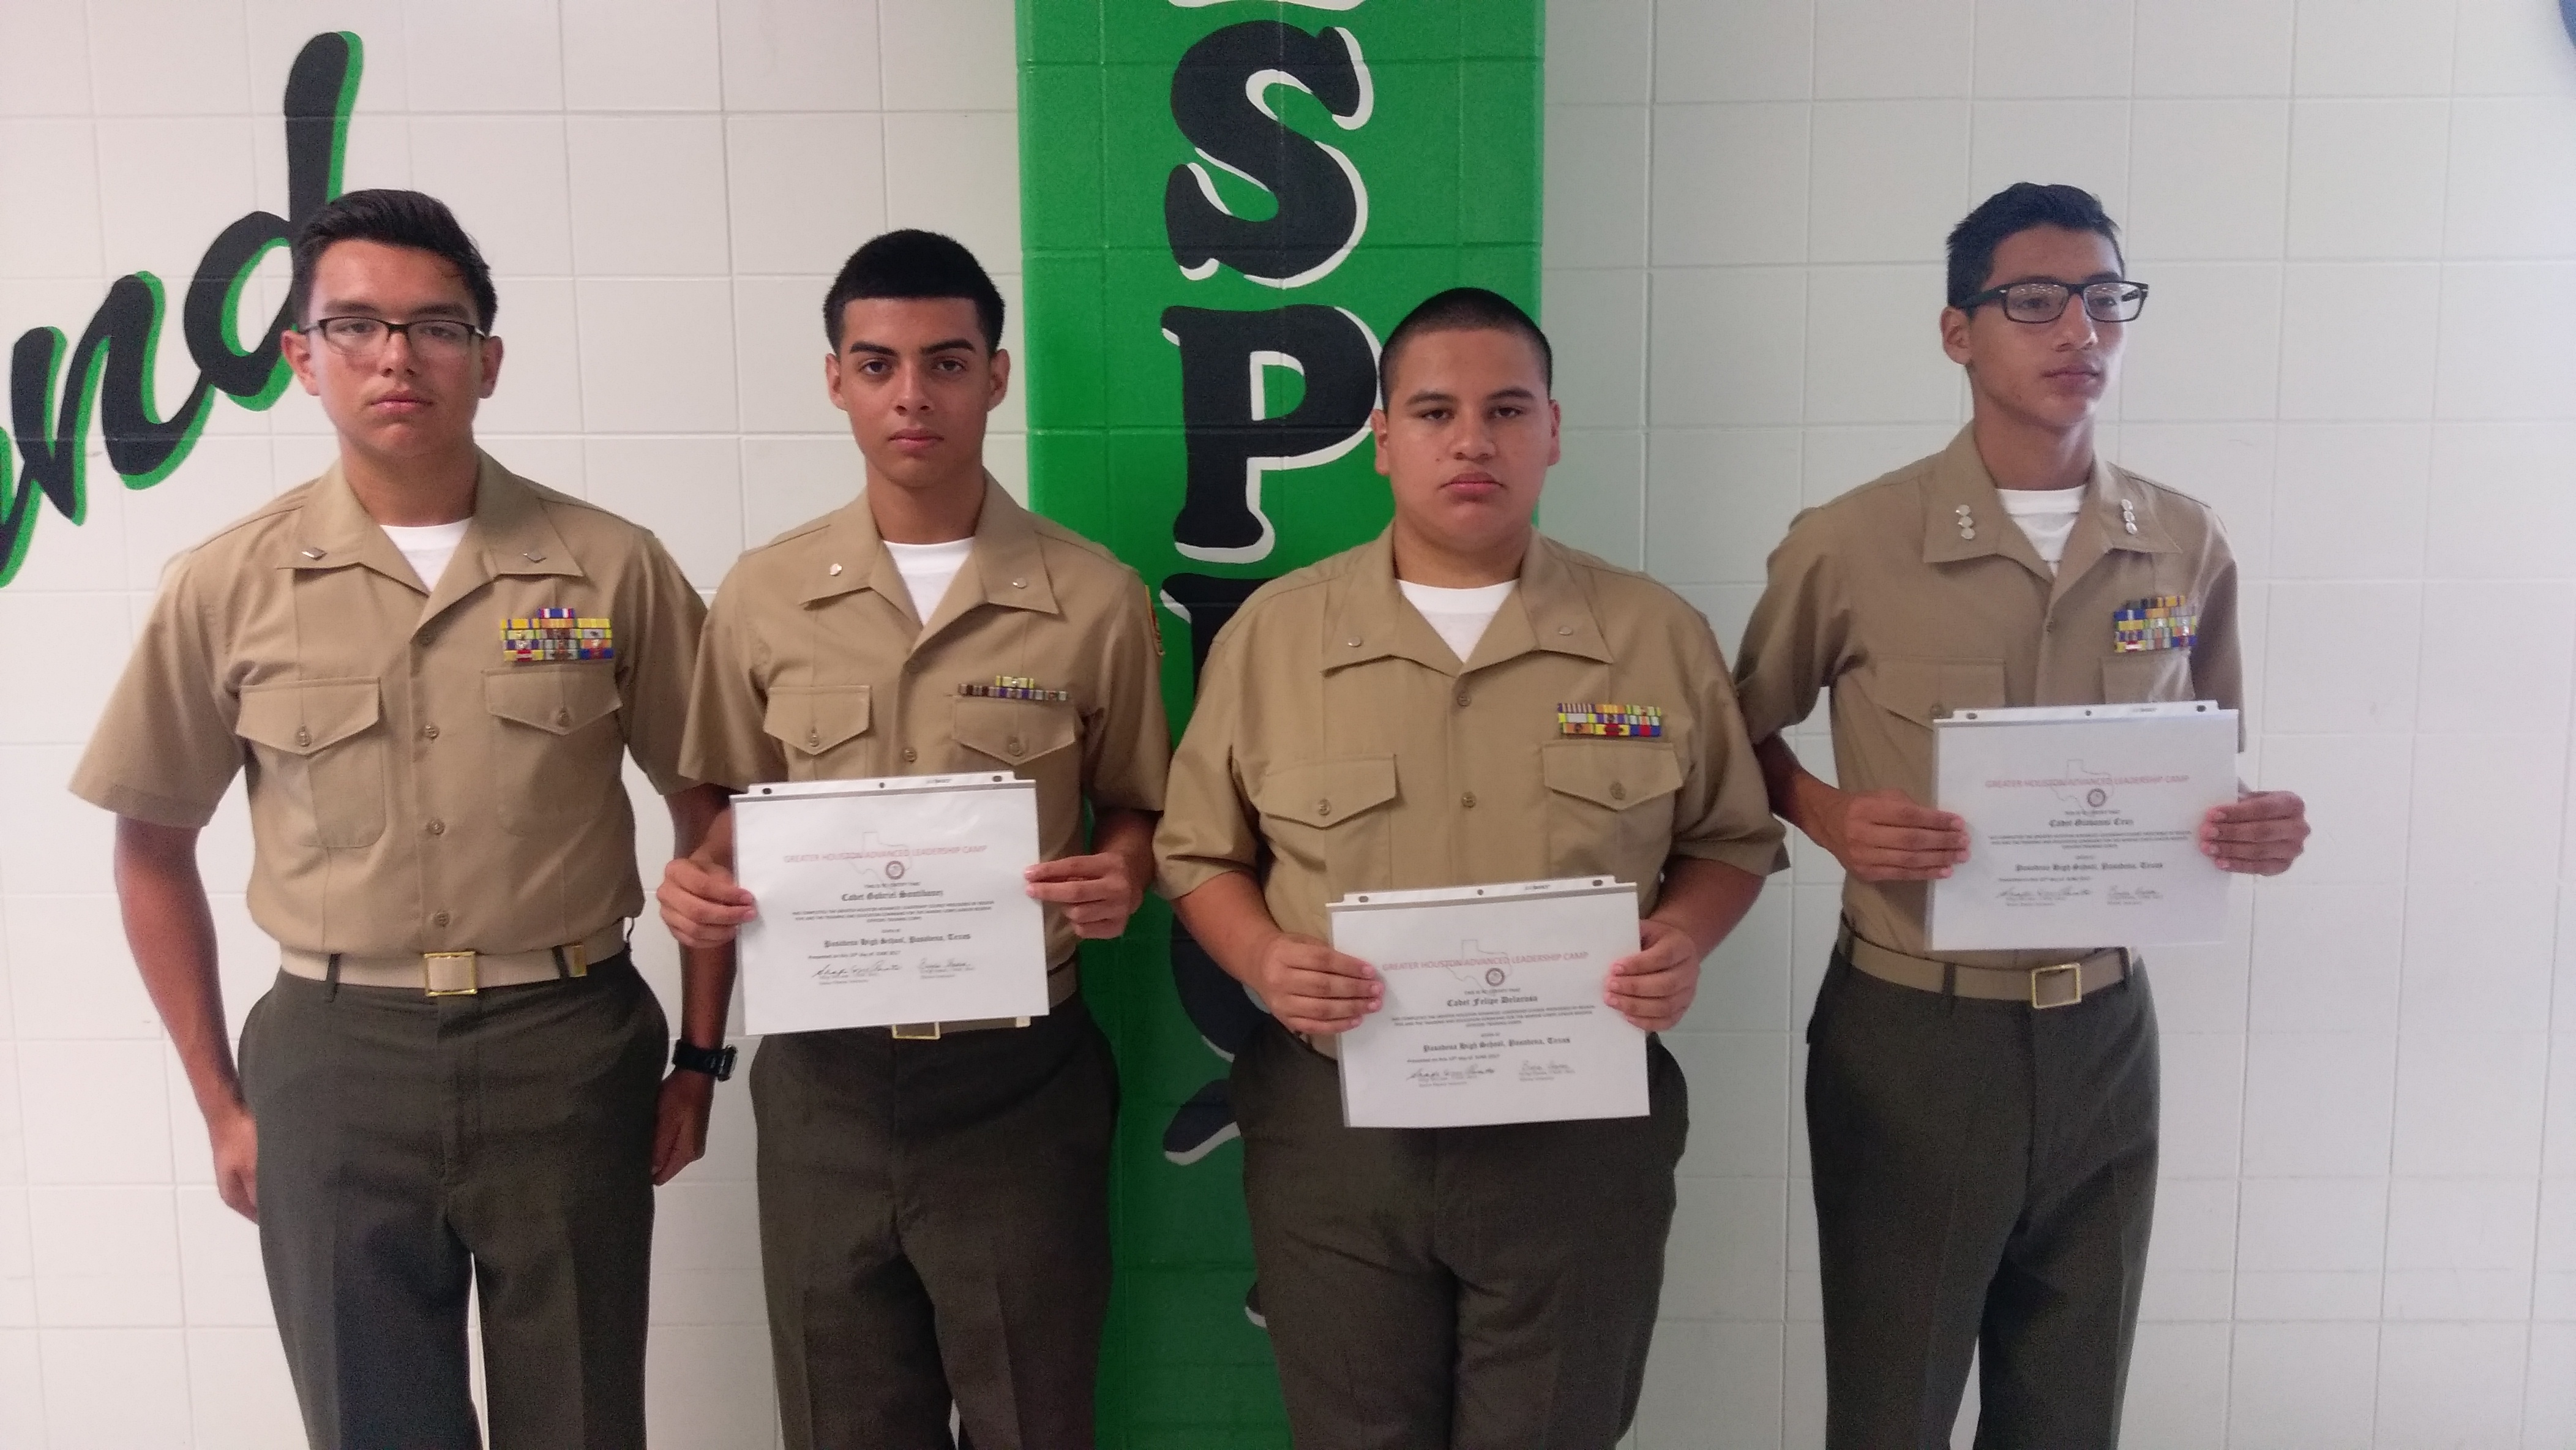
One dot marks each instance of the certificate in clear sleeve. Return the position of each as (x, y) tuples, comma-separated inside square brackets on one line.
[(1493, 1009), (889, 900), (2083, 825)]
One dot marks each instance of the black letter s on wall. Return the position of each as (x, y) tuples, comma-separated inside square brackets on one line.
[(1220, 100)]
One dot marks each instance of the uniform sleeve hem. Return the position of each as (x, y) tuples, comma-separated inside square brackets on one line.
[(1178, 878), (125, 800), (1754, 858)]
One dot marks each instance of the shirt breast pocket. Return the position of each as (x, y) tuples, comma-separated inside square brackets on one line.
[(1041, 740), (1609, 805), (2146, 677), (555, 742), (823, 730), (1330, 821), (321, 759)]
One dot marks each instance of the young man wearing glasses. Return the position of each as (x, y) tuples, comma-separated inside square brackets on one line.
[(1985, 1150), (431, 671)]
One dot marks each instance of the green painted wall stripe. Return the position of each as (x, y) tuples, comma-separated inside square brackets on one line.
[(1435, 106)]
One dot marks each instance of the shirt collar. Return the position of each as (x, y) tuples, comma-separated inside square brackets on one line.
[(1549, 611), (508, 533), (1008, 562), (2112, 503)]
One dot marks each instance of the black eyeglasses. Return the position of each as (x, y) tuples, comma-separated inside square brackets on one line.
[(2043, 302), (443, 337)]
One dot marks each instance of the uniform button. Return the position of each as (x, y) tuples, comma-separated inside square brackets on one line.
[(1468, 800), (1462, 699), (814, 739), (910, 755), (1618, 792), (1323, 808), (437, 828), (429, 732), (303, 736), (438, 919), (1019, 584), (1565, 629), (563, 717), (1012, 745)]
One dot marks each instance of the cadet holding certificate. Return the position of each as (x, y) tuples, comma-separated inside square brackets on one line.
[(1461, 702), (1983, 1122), (934, 1193)]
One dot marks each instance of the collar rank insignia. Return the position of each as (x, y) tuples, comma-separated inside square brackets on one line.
[(556, 634), (1015, 687), (2159, 621), (1640, 722)]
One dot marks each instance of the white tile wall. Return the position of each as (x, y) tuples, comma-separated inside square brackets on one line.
[(2358, 216)]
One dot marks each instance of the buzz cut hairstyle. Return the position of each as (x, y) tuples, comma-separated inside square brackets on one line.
[(395, 218), (915, 264), (1462, 309), (2015, 209)]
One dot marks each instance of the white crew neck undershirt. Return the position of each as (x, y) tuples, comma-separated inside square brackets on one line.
[(1458, 616), (2047, 516), (928, 570), (428, 547)]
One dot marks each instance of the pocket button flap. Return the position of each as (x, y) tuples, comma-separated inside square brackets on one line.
[(557, 699), (1616, 774), (811, 719), (1327, 792), (303, 716)]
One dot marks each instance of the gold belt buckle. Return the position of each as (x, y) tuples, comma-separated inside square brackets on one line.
[(576, 960), (915, 1031), (2074, 974), (430, 977)]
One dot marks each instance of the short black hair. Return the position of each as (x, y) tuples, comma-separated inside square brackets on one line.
[(2018, 208), (1462, 309), (915, 263), (396, 218)]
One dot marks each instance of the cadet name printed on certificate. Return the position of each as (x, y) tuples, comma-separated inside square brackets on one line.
[(898, 900)]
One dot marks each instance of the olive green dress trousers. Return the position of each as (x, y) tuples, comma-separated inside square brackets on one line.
[(1488, 1288), (934, 1228), (410, 1145), (1985, 1174)]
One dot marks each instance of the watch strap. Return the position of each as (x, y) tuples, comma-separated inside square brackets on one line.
[(715, 1062)]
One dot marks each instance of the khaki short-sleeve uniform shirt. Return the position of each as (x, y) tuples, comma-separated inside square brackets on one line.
[(1917, 595), (419, 780), (814, 667), (1338, 745)]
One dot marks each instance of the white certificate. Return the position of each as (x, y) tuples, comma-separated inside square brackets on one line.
[(885, 901), (1493, 1010), (2083, 825)]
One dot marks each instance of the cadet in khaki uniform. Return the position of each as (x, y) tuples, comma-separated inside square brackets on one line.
[(1983, 1124), (1397, 716), (430, 670), (934, 1198)]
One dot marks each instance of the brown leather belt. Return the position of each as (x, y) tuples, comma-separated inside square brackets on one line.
[(458, 974), (1062, 978), (2055, 984)]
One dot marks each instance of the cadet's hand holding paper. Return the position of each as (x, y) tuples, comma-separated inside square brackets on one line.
[(889, 901), (1494, 1009)]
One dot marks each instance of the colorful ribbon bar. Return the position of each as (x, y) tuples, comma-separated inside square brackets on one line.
[(552, 635), (2160, 622), (1015, 687), (1639, 722)]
